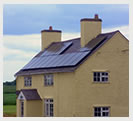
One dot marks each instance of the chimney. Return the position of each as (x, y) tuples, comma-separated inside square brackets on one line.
[(49, 36), (90, 28)]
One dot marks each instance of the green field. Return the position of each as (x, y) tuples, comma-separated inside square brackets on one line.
[(9, 110), (9, 89), (9, 100)]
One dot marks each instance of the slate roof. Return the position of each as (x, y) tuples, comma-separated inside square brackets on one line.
[(63, 56), (30, 94)]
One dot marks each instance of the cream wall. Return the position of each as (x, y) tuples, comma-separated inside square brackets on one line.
[(60, 91), (75, 94), (32, 108)]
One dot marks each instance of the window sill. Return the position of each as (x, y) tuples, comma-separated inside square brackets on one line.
[(100, 82), (48, 85)]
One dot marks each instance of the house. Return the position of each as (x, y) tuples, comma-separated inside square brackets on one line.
[(80, 77)]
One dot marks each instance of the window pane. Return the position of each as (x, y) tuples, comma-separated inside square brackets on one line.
[(94, 73), (98, 74), (95, 114), (103, 79), (105, 108), (98, 114), (105, 114), (98, 79)]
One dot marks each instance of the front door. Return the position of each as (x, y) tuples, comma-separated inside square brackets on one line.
[(22, 108)]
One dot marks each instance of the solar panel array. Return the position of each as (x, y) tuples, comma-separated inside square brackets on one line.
[(58, 49), (53, 56), (70, 59)]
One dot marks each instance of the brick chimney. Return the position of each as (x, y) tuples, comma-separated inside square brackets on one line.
[(90, 28), (49, 36)]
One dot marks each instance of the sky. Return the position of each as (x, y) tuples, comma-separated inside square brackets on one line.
[(22, 25)]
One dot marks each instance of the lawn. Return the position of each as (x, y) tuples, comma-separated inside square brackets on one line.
[(9, 110)]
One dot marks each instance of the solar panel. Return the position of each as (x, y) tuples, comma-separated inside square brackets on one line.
[(69, 59), (56, 48)]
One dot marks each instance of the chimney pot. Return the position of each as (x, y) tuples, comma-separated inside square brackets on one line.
[(50, 28), (96, 16)]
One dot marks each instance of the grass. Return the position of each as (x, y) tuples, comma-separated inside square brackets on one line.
[(9, 89), (9, 101), (9, 110)]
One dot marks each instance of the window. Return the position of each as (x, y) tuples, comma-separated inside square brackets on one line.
[(27, 81), (101, 111), (48, 79), (100, 76), (48, 103)]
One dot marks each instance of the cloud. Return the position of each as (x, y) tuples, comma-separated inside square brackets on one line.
[(123, 29), (16, 54), (18, 50), (11, 67), (27, 42)]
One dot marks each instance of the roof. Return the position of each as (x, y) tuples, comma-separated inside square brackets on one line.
[(30, 94), (63, 56), (17, 92)]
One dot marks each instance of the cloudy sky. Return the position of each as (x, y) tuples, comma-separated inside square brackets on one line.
[(22, 25)]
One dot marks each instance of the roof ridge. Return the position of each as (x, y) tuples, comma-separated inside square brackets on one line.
[(68, 40), (113, 32)]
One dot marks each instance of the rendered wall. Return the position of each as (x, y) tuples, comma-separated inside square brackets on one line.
[(34, 108), (31, 108), (113, 58)]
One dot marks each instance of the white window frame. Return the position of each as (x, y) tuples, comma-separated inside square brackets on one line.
[(102, 110), (49, 107), (27, 81), (48, 80), (100, 76)]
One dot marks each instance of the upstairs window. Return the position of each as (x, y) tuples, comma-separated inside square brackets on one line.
[(101, 111), (27, 81), (100, 76), (48, 80)]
